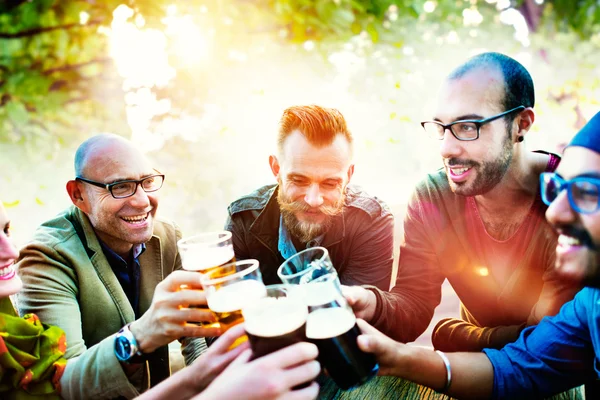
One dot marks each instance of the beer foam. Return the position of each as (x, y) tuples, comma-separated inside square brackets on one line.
[(203, 258), (319, 293), (326, 323), (237, 295), (270, 316)]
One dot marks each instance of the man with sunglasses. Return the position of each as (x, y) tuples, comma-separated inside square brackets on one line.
[(104, 271), (561, 352), (478, 222)]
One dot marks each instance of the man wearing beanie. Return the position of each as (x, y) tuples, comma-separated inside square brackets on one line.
[(561, 352)]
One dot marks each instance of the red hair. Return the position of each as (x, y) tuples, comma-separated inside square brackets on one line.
[(320, 125)]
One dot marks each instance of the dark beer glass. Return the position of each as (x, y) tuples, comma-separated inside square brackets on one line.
[(331, 325), (275, 321), (305, 266)]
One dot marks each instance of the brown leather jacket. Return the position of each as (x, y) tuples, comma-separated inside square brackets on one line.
[(360, 242)]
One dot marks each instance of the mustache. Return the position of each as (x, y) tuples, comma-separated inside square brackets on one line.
[(578, 233), (293, 207), (451, 162)]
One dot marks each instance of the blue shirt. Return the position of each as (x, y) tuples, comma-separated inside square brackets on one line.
[(127, 274), (561, 352), (286, 246)]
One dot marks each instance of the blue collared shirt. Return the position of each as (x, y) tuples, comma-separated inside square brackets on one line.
[(286, 246), (559, 353), (127, 274)]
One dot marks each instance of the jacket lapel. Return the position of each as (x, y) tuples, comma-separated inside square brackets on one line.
[(151, 272), (103, 269), (265, 227)]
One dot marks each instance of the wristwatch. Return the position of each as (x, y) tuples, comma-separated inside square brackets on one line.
[(126, 347)]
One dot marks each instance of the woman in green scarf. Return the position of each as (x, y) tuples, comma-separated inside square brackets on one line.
[(31, 353)]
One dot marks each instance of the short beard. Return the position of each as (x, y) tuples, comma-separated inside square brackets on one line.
[(303, 230), (490, 173)]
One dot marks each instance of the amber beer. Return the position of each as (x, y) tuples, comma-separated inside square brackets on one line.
[(210, 260), (275, 321), (230, 287), (206, 252), (228, 301)]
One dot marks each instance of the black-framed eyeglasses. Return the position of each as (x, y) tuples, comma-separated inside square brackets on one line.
[(467, 129), (583, 192), (124, 189)]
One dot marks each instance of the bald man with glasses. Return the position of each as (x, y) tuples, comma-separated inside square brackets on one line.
[(478, 221), (105, 271)]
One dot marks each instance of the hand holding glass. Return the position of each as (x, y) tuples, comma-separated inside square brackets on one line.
[(331, 325), (205, 252)]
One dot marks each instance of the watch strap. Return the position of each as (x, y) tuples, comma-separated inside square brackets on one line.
[(135, 356)]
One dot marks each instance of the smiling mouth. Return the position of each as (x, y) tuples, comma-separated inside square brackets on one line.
[(458, 171), (568, 241), (571, 237), (139, 219), (7, 272)]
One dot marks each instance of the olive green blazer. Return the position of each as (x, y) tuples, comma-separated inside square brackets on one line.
[(68, 282)]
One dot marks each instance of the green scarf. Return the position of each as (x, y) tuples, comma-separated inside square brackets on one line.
[(31, 356)]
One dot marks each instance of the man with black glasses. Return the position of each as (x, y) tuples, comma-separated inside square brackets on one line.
[(478, 222), (561, 352), (105, 266)]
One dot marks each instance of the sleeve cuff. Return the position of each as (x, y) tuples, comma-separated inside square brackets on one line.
[(97, 374), (377, 315)]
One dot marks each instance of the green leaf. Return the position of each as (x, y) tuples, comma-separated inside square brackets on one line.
[(17, 112), (11, 204), (372, 31)]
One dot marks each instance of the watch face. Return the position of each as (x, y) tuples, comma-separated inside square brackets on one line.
[(122, 348)]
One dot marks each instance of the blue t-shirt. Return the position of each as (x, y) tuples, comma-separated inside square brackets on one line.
[(560, 353)]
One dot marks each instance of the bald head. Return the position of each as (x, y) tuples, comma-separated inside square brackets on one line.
[(119, 222), (106, 150), (517, 88)]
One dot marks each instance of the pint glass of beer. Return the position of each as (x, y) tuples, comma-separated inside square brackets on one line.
[(205, 252), (305, 266), (231, 287), (275, 321), (331, 325)]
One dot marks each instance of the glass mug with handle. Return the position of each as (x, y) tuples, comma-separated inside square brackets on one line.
[(204, 252), (305, 266), (231, 287), (331, 326)]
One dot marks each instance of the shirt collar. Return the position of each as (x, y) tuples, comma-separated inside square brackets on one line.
[(137, 249), (286, 246)]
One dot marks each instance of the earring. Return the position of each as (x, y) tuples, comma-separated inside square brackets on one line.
[(520, 138)]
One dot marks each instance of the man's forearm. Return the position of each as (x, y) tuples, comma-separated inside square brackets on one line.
[(400, 314), (453, 334), (472, 373), (180, 386)]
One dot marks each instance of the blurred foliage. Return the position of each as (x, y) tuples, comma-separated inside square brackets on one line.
[(58, 82), (235, 64)]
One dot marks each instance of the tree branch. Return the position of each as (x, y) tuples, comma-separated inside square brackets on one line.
[(70, 67), (37, 31)]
